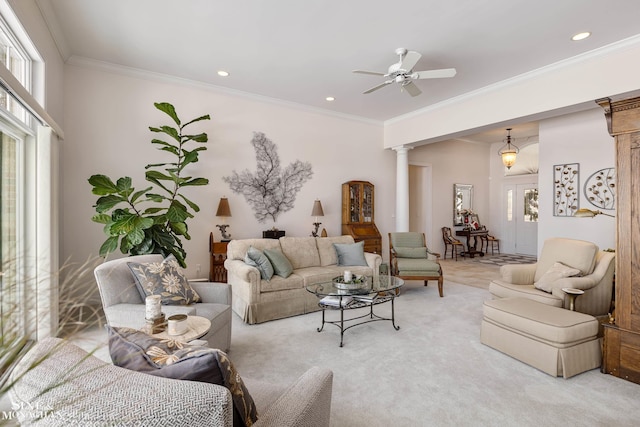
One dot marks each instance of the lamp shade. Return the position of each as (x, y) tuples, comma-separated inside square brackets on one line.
[(317, 209), (223, 208)]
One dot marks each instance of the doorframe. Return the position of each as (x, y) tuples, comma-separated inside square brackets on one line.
[(508, 231)]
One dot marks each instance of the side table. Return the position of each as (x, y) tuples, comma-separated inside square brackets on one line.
[(197, 327), (573, 294), (217, 256)]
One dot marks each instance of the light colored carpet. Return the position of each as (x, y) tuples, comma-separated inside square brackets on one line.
[(432, 372)]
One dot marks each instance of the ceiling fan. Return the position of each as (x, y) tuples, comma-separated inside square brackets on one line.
[(402, 72)]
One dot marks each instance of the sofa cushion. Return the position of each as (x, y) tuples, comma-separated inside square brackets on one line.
[(137, 351), (281, 264), (277, 283), (350, 253), (558, 271), (237, 249), (163, 278), (327, 252), (403, 252), (417, 267), (301, 251), (257, 258)]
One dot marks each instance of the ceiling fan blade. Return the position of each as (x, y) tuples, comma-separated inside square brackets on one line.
[(373, 73), (412, 89), (410, 60), (434, 74), (379, 86)]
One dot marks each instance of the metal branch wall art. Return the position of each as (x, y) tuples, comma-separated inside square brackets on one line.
[(269, 190), (566, 184), (600, 189)]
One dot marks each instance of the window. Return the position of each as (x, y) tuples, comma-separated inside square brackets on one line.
[(21, 213), (531, 205)]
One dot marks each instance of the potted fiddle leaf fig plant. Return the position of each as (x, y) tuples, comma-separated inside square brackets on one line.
[(152, 220)]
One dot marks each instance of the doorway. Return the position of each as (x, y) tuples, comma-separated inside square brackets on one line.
[(420, 203)]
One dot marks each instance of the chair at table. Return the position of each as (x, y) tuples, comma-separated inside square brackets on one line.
[(489, 239), (449, 240), (410, 258)]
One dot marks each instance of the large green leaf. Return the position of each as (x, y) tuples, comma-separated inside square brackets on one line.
[(205, 117), (201, 137), (125, 224), (109, 246), (177, 212), (172, 132), (101, 218), (158, 175), (102, 185), (178, 227), (106, 203), (136, 236), (190, 203), (196, 181), (168, 109), (139, 194)]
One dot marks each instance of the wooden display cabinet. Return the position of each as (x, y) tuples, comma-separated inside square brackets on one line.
[(358, 215), (621, 350)]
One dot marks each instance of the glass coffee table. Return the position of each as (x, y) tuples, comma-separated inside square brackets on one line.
[(376, 291)]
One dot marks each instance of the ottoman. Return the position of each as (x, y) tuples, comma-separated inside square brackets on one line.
[(554, 340)]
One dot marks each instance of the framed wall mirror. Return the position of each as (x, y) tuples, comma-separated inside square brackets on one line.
[(462, 202)]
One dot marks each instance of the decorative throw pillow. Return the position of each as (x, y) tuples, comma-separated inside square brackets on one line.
[(165, 279), (350, 253), (137, 351), (558, 271), (281, 264), (402, 252), (256, 258)]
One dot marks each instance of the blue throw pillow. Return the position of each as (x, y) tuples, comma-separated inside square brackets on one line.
[(350, 253), (281, 264), (256, 258)]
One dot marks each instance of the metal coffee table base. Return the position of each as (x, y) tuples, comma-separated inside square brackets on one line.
[(371, 316)]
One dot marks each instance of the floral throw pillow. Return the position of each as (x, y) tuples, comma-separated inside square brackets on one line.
[(137, 351), (166, 279)]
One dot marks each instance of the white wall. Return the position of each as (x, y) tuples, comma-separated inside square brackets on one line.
[(575, 138), (454, 162), (107, 132)]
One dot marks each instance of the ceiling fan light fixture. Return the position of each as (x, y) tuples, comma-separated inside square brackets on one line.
[(509, 151)]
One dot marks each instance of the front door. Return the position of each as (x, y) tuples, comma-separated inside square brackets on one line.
[(526, 219)]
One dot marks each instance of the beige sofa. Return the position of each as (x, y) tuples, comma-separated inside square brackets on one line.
[(314, 260)]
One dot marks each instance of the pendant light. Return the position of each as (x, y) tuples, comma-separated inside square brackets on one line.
[(508, 151)]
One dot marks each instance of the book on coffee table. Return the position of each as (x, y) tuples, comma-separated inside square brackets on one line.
[(335, 301), (367, 297)]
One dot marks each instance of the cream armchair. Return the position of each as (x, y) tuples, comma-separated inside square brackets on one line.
[(595, 277)]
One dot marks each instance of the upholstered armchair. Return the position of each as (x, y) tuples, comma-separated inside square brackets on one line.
[(411, 259), (563, 263), (67, 386), (124, 306)]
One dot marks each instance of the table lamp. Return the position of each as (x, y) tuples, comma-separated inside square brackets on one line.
[(316, 211), (223, 212)]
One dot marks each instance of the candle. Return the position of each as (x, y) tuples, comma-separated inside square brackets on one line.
[(152, 307), (347, 276)]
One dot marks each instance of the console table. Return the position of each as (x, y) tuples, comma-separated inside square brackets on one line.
[(476, 235)]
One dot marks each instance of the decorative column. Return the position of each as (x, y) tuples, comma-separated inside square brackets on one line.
[(402, 188)]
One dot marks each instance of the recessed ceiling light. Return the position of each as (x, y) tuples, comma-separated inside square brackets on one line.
[(330, 98), (580, 36), (223, 73)]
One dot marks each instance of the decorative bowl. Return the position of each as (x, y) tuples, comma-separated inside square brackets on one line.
[(358, 281)]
